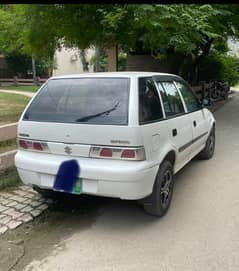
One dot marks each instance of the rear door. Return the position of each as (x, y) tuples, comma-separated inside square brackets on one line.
[(197, 115), (153, 128), (178, 122)]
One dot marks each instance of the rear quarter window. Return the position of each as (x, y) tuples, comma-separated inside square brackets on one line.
[(150, 109), (82, 100)]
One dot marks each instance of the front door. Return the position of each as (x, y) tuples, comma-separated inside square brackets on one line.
[(197, 117)]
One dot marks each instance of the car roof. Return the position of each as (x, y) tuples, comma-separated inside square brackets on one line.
[(114, 74)]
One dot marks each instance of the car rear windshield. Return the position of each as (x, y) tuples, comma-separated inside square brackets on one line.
[(82, 100)]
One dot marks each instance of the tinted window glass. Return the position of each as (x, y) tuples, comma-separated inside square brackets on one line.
[(172, 99), (149, 101), (166, 104), (82, 100), (190, 100)]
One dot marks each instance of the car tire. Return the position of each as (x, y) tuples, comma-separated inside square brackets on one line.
[(208, 151), (158, 202)]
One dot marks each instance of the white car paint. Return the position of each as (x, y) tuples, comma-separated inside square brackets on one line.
[(109, 177)]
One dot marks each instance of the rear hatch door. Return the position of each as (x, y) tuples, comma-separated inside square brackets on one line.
[(72, 114)]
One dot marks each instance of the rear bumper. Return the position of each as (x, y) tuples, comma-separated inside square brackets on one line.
[(110, 178)]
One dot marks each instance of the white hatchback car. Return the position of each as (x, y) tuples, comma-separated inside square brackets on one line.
[(121, 134)]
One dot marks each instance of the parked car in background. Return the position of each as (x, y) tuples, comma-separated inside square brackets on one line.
[(126, 133)]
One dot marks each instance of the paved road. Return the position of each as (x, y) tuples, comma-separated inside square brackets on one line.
[(200, 232), (25, 93)]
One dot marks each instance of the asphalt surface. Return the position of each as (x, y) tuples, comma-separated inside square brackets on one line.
[(200, 231)]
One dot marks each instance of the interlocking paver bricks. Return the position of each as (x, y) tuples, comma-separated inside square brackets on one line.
[(20, 206), (25, 218), (3, 208), (13, 224), (36, 213), (3, 229), (27, 209)]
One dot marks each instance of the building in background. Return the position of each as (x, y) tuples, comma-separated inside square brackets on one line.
[(233, 46), (72, 61)]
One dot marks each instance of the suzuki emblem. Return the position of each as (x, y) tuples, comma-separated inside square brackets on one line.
[(68, 150)]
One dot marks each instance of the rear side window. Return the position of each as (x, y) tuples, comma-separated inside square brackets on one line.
[(82, 100), (190, 100), (150, 109), (171, 99)]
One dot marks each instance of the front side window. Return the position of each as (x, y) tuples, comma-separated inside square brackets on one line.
[(82, 100), (190, 100), (171, 99), (150, 109)]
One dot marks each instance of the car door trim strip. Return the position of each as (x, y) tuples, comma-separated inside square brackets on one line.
[(185, 146)]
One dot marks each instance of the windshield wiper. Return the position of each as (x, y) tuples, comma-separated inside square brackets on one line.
[(98, 114)]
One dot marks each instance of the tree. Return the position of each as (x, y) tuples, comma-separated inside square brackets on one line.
[(220, 67), (189, 31), (15, 35), (182, 33), (79, 26), (84, 61), (13, 32), (97, 59)]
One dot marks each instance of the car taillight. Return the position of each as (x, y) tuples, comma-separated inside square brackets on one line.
[(32, 145), (128, 154), (106, 152), (37, 146), (22, 144), (135, 154)]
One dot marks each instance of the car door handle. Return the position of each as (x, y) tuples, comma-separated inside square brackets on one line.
[(194, 123), (174, 132)]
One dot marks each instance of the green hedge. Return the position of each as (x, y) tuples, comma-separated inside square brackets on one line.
[(219, 67)]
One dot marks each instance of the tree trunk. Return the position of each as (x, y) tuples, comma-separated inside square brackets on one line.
[(34, 74), (50, 66), (112, 54), (181, 66), (205, 51), (49, 71), (97, 59), (84, 61)]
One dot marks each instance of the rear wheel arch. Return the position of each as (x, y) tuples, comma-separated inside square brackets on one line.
[(170, 157), (158, 202)]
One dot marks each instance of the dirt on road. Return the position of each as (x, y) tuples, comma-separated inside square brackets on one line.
[(36, 239)]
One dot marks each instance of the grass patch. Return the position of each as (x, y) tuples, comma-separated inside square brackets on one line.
[(9, 178), (21, 88), (11, 106), (8, 145)]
